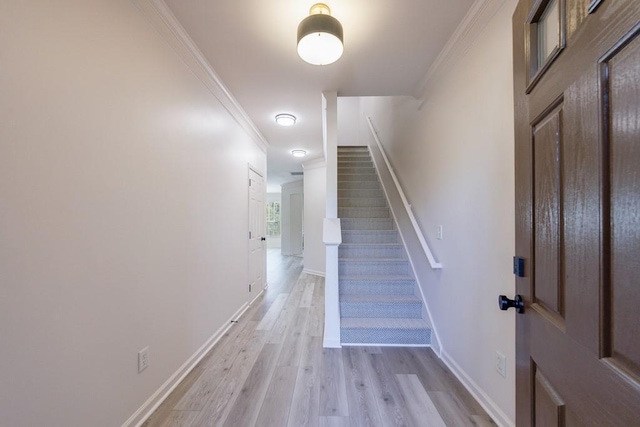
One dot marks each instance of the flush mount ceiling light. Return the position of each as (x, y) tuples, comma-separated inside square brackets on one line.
[(320, 40), (298, 153), (286, 119)]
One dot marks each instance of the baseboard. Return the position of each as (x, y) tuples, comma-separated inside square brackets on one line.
[(314, 272), (156, 399), (498, 416)]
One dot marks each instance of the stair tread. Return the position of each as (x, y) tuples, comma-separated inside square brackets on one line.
[(371, 260), (363, 217), (383, 323), (379, 299), (369, 219), (387, 245), (381, 279), (367, 230)]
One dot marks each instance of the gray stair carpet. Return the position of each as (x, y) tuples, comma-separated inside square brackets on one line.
[(378, 300)]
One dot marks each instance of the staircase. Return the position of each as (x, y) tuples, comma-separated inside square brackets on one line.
[(378, 301)]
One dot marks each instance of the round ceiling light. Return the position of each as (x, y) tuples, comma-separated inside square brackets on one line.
[(298, 153), (286, 119), (320, 40)]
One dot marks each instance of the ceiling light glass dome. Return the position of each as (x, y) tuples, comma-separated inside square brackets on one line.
[(320, 38)]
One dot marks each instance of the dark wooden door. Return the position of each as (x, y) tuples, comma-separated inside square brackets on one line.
[(577, 116)]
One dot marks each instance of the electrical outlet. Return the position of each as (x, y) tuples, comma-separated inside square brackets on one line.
[(501, 364), (143, 359), (439, 232)]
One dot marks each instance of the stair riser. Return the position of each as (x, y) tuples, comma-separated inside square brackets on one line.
[(385, 336), (369, 237), (366, 224), (351, 148), (357, 170), (363, 212), (354, 164), (361, 203), (350, 287), (356, 194), (347, 177), (382, 268), (359, 185), (375, 252), (343, 157), (381, 310), (364, 160)]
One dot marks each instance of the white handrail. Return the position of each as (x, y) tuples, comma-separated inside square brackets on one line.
[(425, 247)]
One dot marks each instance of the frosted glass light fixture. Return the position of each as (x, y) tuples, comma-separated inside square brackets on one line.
[(320, 39), (298, 153), (286, 119)]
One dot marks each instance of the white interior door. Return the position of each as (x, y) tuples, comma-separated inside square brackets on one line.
[(257, 238)]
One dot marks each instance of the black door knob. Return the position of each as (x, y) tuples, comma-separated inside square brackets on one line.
[(505, 303), (263, 238)]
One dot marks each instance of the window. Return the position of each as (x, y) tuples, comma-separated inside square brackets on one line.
[(544, 38), (273, 219)]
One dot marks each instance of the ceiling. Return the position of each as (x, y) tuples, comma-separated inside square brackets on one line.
[(251, 44)]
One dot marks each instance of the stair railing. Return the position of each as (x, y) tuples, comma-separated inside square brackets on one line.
[(425, 247)]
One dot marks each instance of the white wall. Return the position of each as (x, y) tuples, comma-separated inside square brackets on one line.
[(290, 244), (349, 119), (315, 187), (123, 212), (454, 158)]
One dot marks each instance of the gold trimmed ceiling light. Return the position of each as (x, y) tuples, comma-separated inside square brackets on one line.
[(320, 39)]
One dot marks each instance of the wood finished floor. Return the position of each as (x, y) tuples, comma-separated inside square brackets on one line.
[(270, 370)]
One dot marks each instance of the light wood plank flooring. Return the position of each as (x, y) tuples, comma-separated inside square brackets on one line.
[(270, 369)]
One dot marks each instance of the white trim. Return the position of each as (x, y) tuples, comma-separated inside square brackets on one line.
[(313, 272), (331, 232), (156, 399), (494, 411), (425, 247), (314, 164), (164, 21), (331, 343), (475, 21)]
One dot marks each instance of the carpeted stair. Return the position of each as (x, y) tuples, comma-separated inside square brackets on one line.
[(378, 301)]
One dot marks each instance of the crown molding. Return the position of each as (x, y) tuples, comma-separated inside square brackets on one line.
[(474, 22), (164, 21), (314, 164)]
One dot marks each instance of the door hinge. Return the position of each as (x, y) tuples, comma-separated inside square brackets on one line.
[(249, 182), (249, 234), (249, 288)]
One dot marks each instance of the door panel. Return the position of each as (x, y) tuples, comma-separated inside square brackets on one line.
[(578, 219), (549, 406), (622, 73), (582, 203), (257, 218), (547, 153)]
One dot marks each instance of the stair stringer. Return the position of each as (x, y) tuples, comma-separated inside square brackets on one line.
[(393, 207)]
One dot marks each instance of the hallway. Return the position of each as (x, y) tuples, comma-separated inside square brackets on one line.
[(270, 370)]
